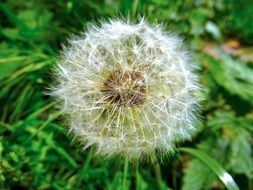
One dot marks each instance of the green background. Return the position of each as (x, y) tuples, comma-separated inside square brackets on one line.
[(36, 151)]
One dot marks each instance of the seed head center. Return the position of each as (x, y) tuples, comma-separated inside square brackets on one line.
[(125, 88)]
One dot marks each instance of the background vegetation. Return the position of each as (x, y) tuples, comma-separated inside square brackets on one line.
[(36, 152)]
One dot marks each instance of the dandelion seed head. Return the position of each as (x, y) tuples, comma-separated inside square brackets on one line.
[(128, 89)]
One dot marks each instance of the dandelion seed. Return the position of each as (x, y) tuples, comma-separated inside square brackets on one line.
[(128, 89)]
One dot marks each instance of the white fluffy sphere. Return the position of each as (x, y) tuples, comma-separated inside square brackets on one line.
[(128, 89)]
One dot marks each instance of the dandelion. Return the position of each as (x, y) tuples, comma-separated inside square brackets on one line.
[(128, 89)]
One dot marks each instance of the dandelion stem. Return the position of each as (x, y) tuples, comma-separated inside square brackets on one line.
[(125, 174), (158, 175), (137, 176)]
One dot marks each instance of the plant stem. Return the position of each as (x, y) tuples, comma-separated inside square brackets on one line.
[(125, 174), (158, 175), (137, 176)]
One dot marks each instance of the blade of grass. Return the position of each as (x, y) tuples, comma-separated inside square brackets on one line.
[(13, 18), (65, 155), (83, 174), (224, 176)]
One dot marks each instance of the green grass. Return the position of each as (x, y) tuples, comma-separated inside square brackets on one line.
[(36, 151)]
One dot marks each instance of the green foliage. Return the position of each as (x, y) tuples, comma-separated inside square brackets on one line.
[(235, 76), (235, 141), (238, 18), (198, 176), (36, 151)]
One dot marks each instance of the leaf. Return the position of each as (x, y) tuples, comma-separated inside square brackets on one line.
[(227, 180), (236, 136), (234, 76), (197, 176), (241, 154), (65, 155)]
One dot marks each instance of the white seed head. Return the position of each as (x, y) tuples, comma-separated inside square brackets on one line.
[(128, 89)]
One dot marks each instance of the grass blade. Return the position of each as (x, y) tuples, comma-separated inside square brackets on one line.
[(224, 176)]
